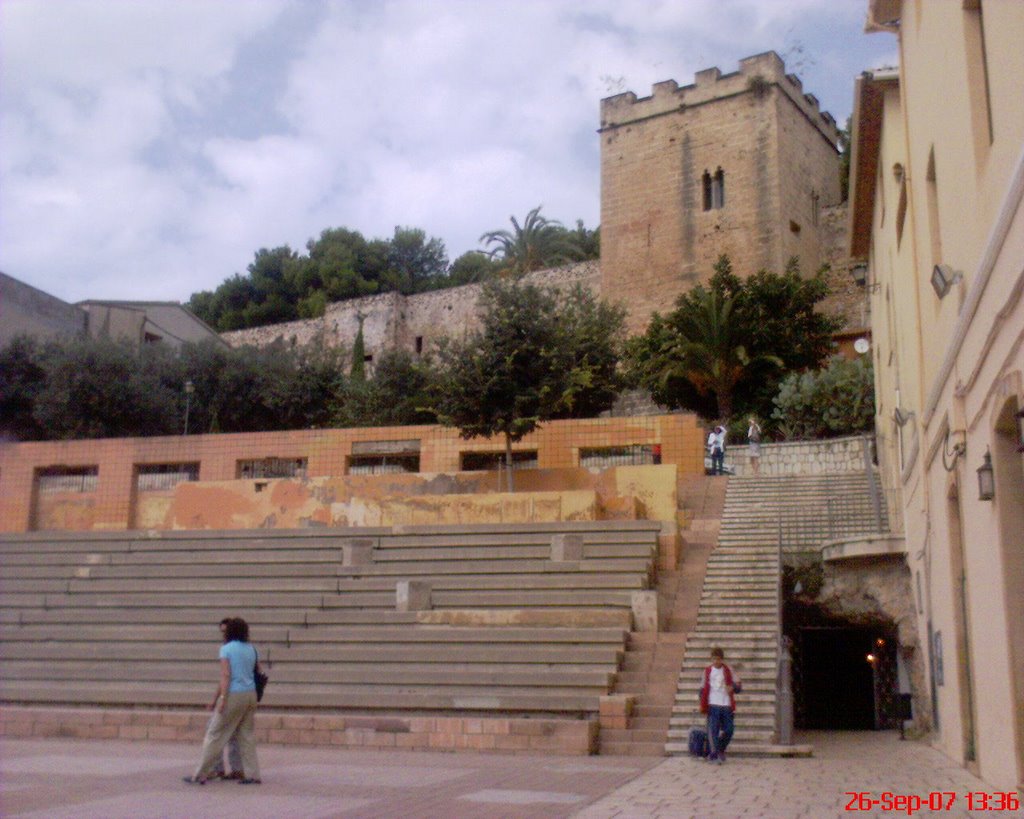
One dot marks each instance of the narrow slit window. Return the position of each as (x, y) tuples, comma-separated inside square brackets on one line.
[(718, 189)]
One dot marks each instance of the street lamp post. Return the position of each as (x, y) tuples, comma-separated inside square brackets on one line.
[(189, 389)]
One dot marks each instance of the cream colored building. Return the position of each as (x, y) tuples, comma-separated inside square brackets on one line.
[(937, 215)]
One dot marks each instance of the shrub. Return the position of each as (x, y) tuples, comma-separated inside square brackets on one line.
[(836, 400)]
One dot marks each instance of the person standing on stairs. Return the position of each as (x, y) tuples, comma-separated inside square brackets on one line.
[(718, 700), (754, 445), (716, 446)]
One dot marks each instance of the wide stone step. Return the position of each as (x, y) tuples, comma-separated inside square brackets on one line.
[(748, 596), (455, 634), (403, 674), (573, 616), (292, 695), (201, 567), (208, 615), (64, 653), (746, 707)]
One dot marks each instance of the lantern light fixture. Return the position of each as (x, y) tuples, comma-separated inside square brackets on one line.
[(986, 479)]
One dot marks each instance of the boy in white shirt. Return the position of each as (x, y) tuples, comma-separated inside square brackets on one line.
[(718, 701)]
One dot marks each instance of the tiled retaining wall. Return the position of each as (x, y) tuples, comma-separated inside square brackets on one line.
[(111, 502)]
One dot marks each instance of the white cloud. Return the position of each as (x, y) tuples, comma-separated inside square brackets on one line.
[(147, 149)]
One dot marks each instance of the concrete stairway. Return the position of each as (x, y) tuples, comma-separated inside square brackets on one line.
[(739, 608), (812, 509), (651, 666), (124, 618)]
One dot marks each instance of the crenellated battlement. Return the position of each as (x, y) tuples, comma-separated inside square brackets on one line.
[(757, 75)]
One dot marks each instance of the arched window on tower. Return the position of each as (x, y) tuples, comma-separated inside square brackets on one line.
[(713, 188)]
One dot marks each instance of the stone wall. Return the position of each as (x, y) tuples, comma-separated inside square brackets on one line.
[(845, 298), (413, 323), (802, 457)]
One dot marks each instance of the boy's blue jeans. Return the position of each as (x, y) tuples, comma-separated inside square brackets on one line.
[(720, 728)]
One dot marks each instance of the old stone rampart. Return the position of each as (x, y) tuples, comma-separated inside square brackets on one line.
[(412, 322)]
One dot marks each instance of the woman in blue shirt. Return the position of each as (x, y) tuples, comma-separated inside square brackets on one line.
[(236, 706)]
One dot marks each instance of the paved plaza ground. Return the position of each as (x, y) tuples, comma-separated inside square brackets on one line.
[(142, 780)]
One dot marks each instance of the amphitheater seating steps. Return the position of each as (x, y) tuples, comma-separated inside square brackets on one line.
[(130, 618)]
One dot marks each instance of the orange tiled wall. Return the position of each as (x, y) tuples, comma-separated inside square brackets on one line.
[(111, 505)]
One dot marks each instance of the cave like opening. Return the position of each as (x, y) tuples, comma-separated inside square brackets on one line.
[(846, 674)]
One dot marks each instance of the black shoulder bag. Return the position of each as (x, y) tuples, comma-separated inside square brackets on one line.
[(259, 677)]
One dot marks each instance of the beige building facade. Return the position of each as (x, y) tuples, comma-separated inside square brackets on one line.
[(936, 214)]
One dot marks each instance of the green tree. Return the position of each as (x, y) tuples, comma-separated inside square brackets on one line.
[(534, 245), (836, 400), (22, 377), (358, 368), (472, 267), (396, 395), (586, 243), (504, 378), (415, 263), (748, 334), (591, 337), (101, 388), (343, 265), (312, 379), (530, 360)]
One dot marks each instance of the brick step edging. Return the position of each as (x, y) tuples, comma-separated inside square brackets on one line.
[(448, 733)]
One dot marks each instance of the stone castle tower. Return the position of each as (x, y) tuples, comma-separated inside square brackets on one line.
[(742, 163)]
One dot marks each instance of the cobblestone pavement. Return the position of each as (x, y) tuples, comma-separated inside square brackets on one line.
[(142, 780), (844, 763)]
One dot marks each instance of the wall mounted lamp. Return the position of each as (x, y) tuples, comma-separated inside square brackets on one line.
[(958, 451), (897, 172), (943, 278), (859, 272), (986, 479)]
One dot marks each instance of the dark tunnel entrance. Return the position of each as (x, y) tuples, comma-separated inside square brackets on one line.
[(845, 675)]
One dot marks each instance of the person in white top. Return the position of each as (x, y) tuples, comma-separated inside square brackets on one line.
[(718, 701), (754, 445), (716, 446)]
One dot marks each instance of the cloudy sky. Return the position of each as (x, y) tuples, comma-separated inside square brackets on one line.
[(149, 147)]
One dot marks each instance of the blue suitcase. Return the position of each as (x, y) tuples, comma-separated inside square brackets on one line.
[(698, 742)]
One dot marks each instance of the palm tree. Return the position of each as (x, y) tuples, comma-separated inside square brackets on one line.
[(537, 244), (706, 348)]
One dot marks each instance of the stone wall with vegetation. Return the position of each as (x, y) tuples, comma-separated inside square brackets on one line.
[(391, 320), (802, 457)]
